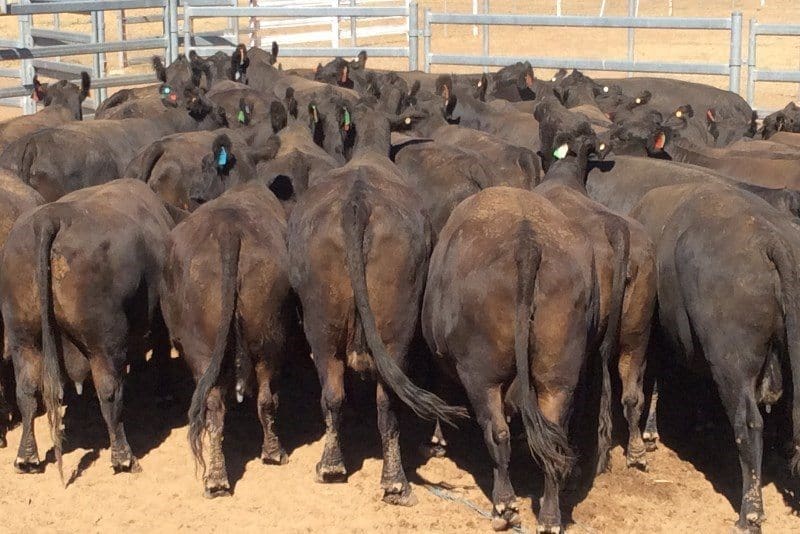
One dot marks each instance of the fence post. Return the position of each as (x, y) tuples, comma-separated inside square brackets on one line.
[(631, 41), (188, 31), (413, 36), (485, 33), (99, 63), (426, 39), (734, 84), (26, 71), (751, 62)]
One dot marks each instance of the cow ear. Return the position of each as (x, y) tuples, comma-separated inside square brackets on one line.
[(160, 70), (86, 85), (274, 55), (39, 91), (291, 102), (780, 122), (221, 150), (362, 59)]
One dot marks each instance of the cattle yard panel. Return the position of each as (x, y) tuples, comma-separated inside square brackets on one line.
[(732, 25), (32, 55), (409, 13), (297, 30), (754, 74)]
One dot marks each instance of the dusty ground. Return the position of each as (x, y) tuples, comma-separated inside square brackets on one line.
[(692, 483)]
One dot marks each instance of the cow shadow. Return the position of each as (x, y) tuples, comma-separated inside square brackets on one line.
[(692, 422)]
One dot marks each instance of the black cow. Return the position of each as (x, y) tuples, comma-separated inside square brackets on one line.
[(79, 282)]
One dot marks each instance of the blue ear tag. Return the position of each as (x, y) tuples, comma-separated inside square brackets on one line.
[(222, 158)]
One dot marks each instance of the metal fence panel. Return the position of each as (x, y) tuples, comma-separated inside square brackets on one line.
[(754, 74), (732, 25)]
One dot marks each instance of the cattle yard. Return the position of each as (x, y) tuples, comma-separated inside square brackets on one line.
[(692, 480)]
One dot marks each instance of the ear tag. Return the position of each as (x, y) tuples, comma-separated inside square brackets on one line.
[(605, 89), (601, 147), (346, 120), (561, 152), (480, 83), (679, 114), (222, 158), (407, 121), (553, 79), (238, 75), (166, 90), (638, 100), (240, 116), (314, 113)]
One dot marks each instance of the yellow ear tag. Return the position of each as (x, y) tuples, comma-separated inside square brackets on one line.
[(679, 114), (601, 147), (638, 100), (561, 152)]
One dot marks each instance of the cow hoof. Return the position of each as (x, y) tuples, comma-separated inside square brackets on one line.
[(279, 458), (433, 450), (130, 465), (327, 474), (505, 516), (549, 529), (3, 442), (749, 529), (27, 467), (637, 457), (222, 490), (650, 440), (403, 498)]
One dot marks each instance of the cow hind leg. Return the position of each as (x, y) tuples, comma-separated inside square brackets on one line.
[(487, 403), (271, 450), (108, 384), (331, 374), (27, 460), (554, 408), (738, 397), (437, 446), (216, 476), (650, 434), (631, 371), (396, 489)]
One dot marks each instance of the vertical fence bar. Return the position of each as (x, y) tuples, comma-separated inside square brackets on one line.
[(234, 24), (99, 36), (353, 23), (26, 71), (426, 39), (335, 27), (734, 84), (751, 62), (171, 26), (631, 35), (121, 55), (485, 33), (413, 36)]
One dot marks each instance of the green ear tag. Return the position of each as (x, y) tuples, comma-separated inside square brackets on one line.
[(346, 118), (240, 116), (561, 152)]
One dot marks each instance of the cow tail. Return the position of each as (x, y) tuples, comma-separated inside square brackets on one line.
[(45, 230), (547, 441), (229, 247), (356, 212), (620, 239), (28, 156), (790, 301)]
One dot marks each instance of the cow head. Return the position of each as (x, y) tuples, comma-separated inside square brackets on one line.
[(239, 64), (577, 89), (336, 72), (63, 94), (199, 107), (216, 173), (184, 73), (785, 120), (571, 155)]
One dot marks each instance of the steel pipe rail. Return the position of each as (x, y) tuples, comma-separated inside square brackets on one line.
[(84, 6), (9, 54), (732, 25), (754, 74)]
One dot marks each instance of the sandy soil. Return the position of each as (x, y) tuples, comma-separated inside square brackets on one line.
[(693, 481)]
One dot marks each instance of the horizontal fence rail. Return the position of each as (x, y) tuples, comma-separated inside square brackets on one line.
[(36, 45), (732, 25), (191, 12), (754, 74)]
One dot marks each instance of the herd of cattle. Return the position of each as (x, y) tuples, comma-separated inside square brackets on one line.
[(534, 232)]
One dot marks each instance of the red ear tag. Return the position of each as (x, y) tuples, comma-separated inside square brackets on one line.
[(660, 141)]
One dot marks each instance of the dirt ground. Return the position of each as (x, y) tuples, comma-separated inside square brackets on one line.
[(692, 483)]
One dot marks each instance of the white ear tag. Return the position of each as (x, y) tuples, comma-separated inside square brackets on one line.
[(601, 147), (561, 152), (605, 89), (408, 120), (679, 114), (553, 79), (638, 100)]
